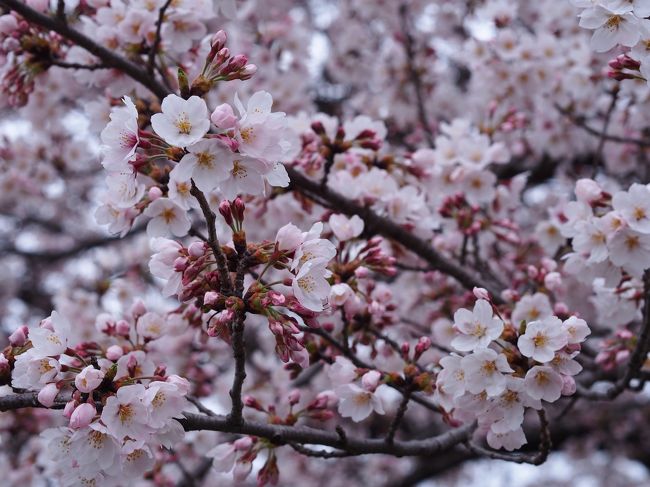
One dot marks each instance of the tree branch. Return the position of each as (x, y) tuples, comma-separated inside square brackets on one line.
[(151, 64), (389, 229), (213, 239), (413, 73), (109, 58)]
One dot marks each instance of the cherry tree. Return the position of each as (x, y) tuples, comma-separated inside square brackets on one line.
[(321, 242)]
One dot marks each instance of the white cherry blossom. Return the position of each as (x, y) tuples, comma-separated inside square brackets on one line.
[(542, 339), (478, 328), (182, 122)]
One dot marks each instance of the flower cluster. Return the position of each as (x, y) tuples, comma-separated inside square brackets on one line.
[(509, 366), (152, 173), (624, 23), (120, 406)]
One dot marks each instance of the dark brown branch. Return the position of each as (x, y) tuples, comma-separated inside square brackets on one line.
[(239, 353), (579, 121), (363, 365), (151, 64), (88, 67), (51, 256), (409, 47), (598, 159), (308, 452), (389, 229), (399, 415), (213, 239), (281, 434), (109, 58)]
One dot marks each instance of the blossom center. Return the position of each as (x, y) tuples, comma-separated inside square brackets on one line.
[(307, 284), (183, 124), (238, 170), (639, 213), (540, 340), (204, 159), (168, 215), (614, 22), (632, 242), (489, 367), (125, 413)]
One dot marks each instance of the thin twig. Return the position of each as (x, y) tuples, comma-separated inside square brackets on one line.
[(151, 64), (213, 239), (409, 47), (111, 59)]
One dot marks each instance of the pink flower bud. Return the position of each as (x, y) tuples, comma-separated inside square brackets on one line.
[(218, 40), (154, 193), (19, 337), (88, 379), (237, 62), (424, 343), (481, 293), (114, 352), (553, 280), (243, 444), (370, 380), (47, 395), (622, 356), (69, 407), (181, 383), (180, 264), (138, 308), (82, 416), (46, 323), (568, 385), (211, 297), (361, 272), (532, 271), (294, 397), (587, 190), (247, 72), (560, 308), (223, 117), (123, 327), (196, 249)]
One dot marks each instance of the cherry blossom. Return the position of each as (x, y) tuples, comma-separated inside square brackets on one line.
[(182, 122), (477, 328)]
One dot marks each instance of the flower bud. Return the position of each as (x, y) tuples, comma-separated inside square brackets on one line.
[(19, 337), (196, 249), (48, 394), (123, 328), (138, 308), (294, 397), (114, 352), (370, 380), (218, 40), (82, 416), (223, 117), (88, 379), (154, 193), (211, 298), (481, 293), (243, 444), (568, 385)]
